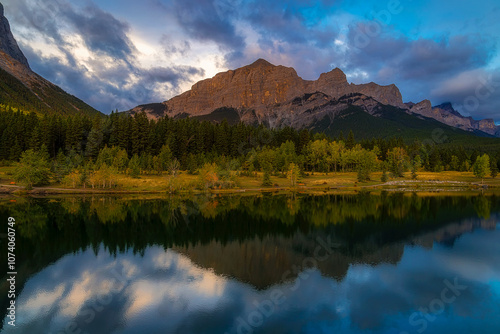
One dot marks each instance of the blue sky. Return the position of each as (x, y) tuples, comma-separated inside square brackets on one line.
[(116, 54)]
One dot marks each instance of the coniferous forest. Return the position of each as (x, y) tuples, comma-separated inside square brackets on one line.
[(75, 147)]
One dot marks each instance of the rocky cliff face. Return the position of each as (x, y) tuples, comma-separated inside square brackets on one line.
[(7, 42), (445, 113), (276, 96)]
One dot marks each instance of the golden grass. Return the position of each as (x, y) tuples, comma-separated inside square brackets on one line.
[(313, 182)]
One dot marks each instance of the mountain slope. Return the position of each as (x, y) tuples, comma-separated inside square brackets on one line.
[(391, 122), (276, 96), (23, 89), (8, 43)]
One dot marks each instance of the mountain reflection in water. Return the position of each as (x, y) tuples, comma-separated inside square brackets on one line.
[(261, 264)]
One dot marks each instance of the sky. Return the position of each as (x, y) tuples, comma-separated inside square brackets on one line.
[(117, 54)]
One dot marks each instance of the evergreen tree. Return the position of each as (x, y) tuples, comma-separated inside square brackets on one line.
[(266, 179), (415, 166), (192, 164), (494, 168), (94, 142), (384, 176), (454, 163), (134, 166), (341, 136), (164, 157), (350, 142)]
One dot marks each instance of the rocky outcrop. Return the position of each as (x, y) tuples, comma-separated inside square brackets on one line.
[(8, 43), (276, 96), (255, 86), (445, 113), (423, 108), (389, 95), (269, 92), (486, 125)]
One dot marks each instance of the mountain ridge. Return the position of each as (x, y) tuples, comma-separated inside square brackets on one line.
[(23, 89), (8, 43), (274, 95)]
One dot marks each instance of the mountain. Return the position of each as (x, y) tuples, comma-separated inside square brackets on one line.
[(23, 89), (264, 93), (445, 113)]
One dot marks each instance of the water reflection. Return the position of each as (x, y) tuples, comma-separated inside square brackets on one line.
[(241, 264)]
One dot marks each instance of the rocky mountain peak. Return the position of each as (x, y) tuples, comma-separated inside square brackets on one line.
[(261, 63), (7, 42), (448, 107)]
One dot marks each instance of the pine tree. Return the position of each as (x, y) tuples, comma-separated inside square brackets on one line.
[(351, 142), (341, 136), (384, 177), (494, 168), (415, 165), (266, 179), (164, 157), (94, 142), (134, 166)]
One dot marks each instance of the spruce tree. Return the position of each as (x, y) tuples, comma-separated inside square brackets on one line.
[(494, 168), (350, 142), (134, 166), (266, 179)]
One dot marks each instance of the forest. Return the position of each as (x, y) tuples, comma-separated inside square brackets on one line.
[(74, 148)]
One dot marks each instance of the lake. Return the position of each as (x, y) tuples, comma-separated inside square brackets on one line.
[(344, 263)]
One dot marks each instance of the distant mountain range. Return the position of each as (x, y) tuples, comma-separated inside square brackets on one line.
[(23, 89), (263, 93)]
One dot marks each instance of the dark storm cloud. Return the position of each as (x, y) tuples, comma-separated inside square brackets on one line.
[(398, 57), (101, 31), (208, 21), (121, 84), (39, 16), (475, 93), (173, 75), (293, 22)]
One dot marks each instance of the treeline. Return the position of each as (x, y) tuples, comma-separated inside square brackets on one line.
[(137, 145)]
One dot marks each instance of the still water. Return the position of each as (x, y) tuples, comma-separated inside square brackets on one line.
[(389, 263)]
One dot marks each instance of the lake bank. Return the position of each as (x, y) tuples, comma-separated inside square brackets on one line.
[(317, 182)]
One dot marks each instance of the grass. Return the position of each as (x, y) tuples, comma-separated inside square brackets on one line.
[(309, 183)]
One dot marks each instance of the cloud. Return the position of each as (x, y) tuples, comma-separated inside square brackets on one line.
[(474, 92), (170, 46), (173, 75), (101, 31), (111, 75), (209, 21)]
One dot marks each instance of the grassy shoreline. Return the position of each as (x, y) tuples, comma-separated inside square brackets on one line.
[(317, 182)]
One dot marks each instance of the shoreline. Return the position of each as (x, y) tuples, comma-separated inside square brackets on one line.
[(409, 186)]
